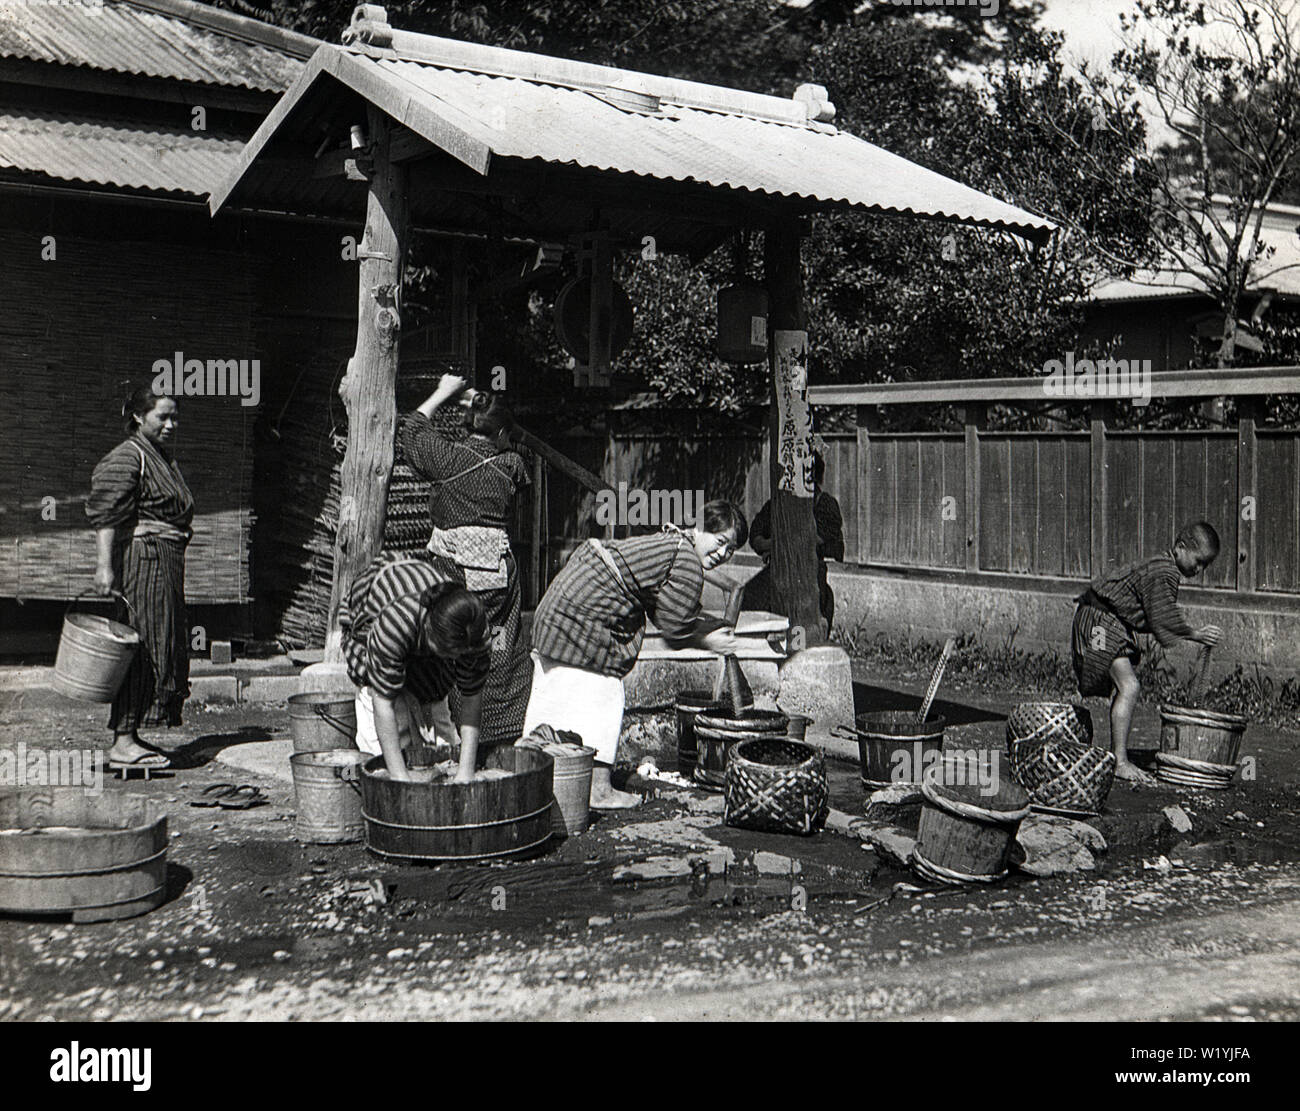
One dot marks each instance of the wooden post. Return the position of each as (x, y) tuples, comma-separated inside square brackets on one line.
[(1097, 517), (973, 420), (794, 534), (369, 387), (1247, 487), (867, 422)]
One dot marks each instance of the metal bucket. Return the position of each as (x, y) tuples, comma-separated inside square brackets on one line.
[(327, 796), (571, 785), (321, 721), (94, 656), (98, 857)]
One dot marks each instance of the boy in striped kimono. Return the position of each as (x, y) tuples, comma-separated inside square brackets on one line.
[(1139, 598)]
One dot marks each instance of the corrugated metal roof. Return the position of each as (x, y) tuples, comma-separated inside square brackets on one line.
[(1278, 272), (476, 117), (138, 157), (125, 39)]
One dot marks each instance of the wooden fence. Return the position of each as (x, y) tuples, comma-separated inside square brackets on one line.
[(1053, 505)]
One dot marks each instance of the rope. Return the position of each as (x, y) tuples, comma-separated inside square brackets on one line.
[(940, 874), (969, 810)]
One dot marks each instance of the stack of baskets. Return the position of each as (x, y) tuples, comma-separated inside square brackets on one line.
[(1052, 757), (776, 785)]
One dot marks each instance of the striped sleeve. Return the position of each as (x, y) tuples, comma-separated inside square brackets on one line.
[(1157, 589), (115, 488), (677, 602), (390, 640)]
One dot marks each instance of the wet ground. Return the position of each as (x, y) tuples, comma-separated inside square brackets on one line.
[(665, 912)]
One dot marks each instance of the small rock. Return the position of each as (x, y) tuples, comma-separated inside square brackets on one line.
[(654, 868), (898, 794), (397, 954), (1238, 1009), (1239, 816), (281, 955), (712, 804), (1058, 846), (600, 920), (892, 843), (1178, 818), (773, 864), (158, 966)]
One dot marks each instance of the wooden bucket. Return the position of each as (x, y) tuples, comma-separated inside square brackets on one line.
[(1203, 735), (94, 656), (688, 706), (98, 857), (484, 820), (714, 736), (893, 748), (327, 796), (965, 836), (321, 721)]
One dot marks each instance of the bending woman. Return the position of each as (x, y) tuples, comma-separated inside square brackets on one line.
[(411, 634), (141, 510), (589, 625), (475, 483)]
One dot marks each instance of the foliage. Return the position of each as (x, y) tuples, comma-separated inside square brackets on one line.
[(1224, 77)]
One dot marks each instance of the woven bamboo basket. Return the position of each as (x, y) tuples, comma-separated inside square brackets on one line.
[(776, 785), (1063, 776), (1049, 721)]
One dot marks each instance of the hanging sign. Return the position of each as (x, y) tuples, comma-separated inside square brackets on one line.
[(794, 421)]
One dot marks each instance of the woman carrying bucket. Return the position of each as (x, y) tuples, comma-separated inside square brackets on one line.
[(588, 627), (141, 511), (410, 635), (475, 482)]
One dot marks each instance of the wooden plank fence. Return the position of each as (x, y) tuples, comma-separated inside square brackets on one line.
[(1053, 505)]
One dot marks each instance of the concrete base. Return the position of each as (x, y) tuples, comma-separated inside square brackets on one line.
[(818, 682), (655, 681)]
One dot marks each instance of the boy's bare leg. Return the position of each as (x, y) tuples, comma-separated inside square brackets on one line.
[(1122, 704)]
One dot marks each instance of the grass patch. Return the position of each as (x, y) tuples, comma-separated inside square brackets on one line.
[(1251, 694)]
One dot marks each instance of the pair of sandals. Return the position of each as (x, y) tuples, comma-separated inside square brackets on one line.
[(229, 796)]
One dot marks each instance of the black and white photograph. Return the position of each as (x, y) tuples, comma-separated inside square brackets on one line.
[(650, 511)]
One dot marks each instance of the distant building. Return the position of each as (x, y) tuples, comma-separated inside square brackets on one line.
[(1160, 315)]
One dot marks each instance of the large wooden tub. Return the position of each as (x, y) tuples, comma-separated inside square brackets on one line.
[(485, 820), (97, 857)]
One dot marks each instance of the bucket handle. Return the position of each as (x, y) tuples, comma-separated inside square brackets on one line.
[(113, 594), (338, 723), (845, 732), (349, 774)]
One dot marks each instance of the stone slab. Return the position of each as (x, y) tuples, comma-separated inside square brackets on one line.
[(265, 758), (818, 682)]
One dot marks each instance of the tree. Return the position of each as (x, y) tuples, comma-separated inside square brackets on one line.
[(901, 299), (1224, 77)]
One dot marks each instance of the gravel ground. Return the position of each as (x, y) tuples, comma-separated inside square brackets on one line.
[(257, 926)]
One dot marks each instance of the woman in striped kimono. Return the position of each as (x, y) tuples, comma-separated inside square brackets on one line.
[(141, 511), (475, 482), (588, 627)]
